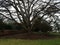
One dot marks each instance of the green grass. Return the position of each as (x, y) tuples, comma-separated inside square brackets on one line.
[(58, 34), (30, 42)]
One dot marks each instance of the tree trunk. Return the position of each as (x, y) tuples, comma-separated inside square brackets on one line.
[(29, 31)]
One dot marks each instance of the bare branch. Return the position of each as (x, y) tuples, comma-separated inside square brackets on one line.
[(10, 14), (5, 16), (56, 3), (46, 5)]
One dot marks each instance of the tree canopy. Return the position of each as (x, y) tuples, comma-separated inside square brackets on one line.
[(27, 11)]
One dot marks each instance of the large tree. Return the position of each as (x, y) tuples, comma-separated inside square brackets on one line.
[(27, 11)]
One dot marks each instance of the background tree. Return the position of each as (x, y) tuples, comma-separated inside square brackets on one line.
[(42, 26), (27, 11)]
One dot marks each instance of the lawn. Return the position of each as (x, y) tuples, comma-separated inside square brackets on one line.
[(55, 41)]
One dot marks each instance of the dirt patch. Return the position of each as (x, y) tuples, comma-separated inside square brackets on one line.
[(29, 36), (23, 35)]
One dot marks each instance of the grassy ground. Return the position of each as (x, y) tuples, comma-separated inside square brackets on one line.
[(30, 42)]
